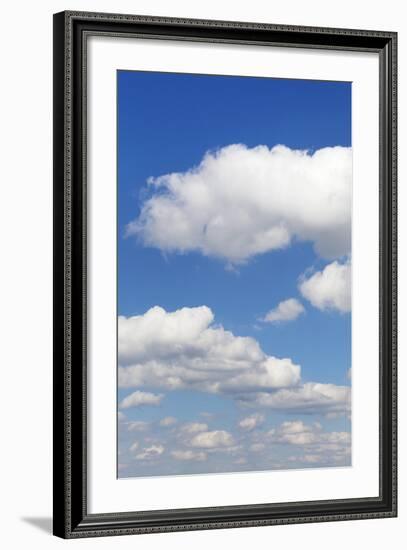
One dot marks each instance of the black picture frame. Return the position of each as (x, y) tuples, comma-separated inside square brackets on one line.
[(71, 518)]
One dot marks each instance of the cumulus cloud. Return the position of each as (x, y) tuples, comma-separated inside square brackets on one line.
[(240, 202), (213, 440), (296, 433), (251, 422), (150, 452), (139, 398), (168, 421), (288, 310), (183, 349), (330, 288), (188, 455), (308, 398)]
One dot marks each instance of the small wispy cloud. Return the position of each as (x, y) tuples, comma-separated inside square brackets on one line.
[(150, 452), (288, 310), (139, 398), (251, 422)]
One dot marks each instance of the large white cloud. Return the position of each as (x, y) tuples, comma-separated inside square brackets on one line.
[(240, 202), (288, 310), (308, 398), (330, 288), (185, 350)]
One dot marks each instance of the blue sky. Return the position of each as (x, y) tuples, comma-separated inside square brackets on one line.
[(167, 123)]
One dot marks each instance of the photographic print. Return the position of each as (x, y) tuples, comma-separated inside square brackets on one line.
[(225, 274), (234, 274)]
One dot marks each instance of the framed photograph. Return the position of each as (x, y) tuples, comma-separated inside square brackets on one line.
[(224, 274)]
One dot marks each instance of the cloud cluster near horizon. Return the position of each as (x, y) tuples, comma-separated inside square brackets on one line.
[(299, 444), (240, 202)]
